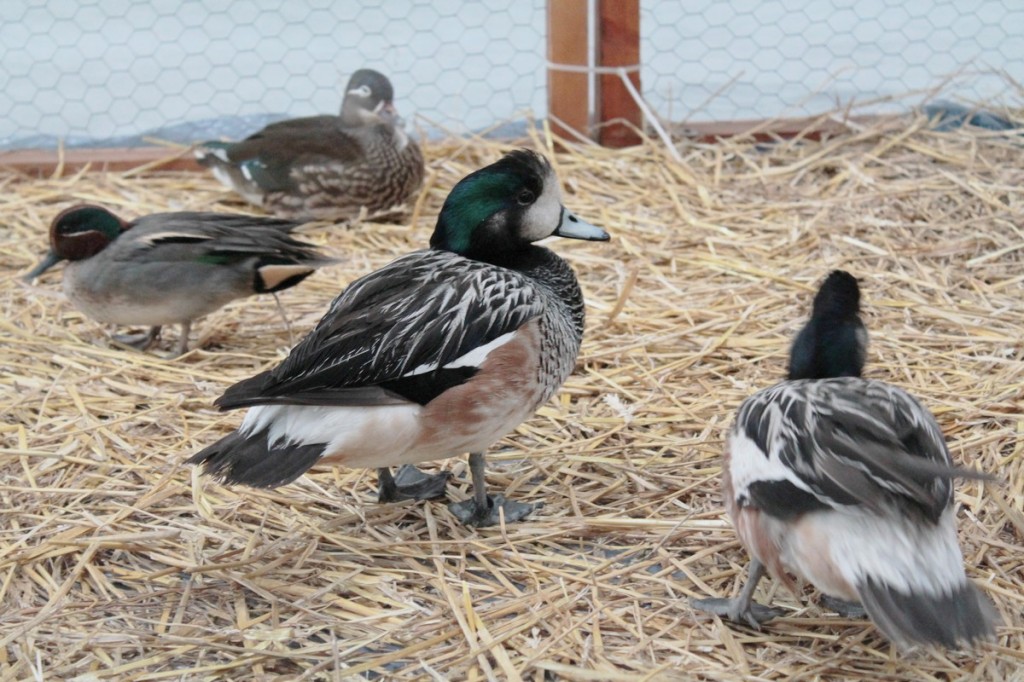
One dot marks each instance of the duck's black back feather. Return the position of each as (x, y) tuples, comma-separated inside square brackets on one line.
[(422, 388), (411, 317), (783, 500)]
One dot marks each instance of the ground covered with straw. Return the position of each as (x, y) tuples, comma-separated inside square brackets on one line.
[(118, 562)]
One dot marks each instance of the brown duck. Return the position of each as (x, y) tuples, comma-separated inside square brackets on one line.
[(326, 167)]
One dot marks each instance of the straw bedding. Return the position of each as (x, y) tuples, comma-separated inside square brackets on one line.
[(118, 562)]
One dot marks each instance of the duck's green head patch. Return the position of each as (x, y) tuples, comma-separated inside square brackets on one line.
[(486, 211)]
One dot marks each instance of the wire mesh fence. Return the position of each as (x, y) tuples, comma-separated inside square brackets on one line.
[(107, 71), (110, 72), (713, 61)]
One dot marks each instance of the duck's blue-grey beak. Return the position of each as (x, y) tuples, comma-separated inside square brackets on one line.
[(48, 262), (572, 227)]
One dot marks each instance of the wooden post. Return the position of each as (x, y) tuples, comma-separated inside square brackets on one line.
[(568, 93), (618, 30)]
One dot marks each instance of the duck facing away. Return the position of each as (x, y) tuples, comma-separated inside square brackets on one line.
[(326, 167), (171, 268), (441, 352), (846, 482)]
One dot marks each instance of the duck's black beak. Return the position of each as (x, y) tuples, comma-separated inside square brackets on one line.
[(572, 227), (48, 262)]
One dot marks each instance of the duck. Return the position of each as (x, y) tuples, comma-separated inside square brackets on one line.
[(846, 482), (326, 167), (171, 268), (441, 352)]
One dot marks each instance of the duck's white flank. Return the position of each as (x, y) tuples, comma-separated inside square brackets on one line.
[(370, 436), (909, 557)]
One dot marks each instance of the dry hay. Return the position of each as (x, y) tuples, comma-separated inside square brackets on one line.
[(118, 563)]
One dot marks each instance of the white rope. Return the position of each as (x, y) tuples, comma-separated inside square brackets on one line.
[(579, 68), (651, 118), (623, 73)]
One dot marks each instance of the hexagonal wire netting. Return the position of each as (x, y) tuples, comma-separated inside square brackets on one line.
[(107, 72), (714, 61)]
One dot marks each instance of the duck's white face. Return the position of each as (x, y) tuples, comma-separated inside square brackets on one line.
[(543, 217), (548, 217)]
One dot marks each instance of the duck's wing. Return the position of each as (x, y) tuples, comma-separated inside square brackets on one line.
[(263, 246), (191, 235), (402, 334), (841, 442), (269, 157), (304, 124)]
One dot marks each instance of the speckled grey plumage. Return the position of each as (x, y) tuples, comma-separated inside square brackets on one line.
[(171, 268)]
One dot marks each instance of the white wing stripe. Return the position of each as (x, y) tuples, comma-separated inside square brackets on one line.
[(749, 465), (474, 358)]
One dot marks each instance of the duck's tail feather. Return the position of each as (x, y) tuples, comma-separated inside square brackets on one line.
[(209, 153), (907, 572), (961, 615), (233, 174), (272, 276), (249, 459)]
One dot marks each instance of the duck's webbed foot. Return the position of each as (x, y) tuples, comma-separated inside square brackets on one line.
[(846, 609), (140, 341), (472, 513), (483, 509), (742, 609), (410, 484), (751, 613)]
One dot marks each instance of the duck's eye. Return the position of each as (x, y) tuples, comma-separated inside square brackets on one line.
[(361, 91), (526, 197)]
